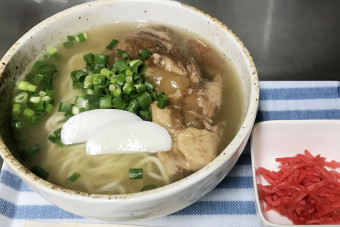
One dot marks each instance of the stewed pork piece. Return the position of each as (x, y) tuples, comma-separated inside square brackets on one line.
[(194, 99)]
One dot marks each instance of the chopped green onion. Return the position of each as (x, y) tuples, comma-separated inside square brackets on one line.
[(40, 106), (28, 112), (112, 44), (138, 67), (29, 152), (100, 61), (140, 87), (128, 73), (78, 78), (67, 116), (162, 100), (82, 103), (144, 99), (65, 107), (21, 97), (102, 90), (133, 106), (34, 120), (68, 44), (125, 56), (35, 99), (88, 81), (118, 103), (42, 93), (105, 72), (39, 113), (16, 124), (40, 172), (120, 79), (98, 79), (146, 115), (56, 140), (75, 110), (89, 59), (52, 51), (73, 177), (148, 187), (105, 102), (144, 54), (46, 98), (153, 95), (128, 88), (137, 61), (57, 132), (120, 65), (128, 79), (37, 78), (81, 37), (116, 92), (70, 38), (16, 108), (136, 173), (50, 92), (149, 85), (49, 108), (26, 86)]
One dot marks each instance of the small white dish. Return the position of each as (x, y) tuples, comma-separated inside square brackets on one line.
[(286, 138)]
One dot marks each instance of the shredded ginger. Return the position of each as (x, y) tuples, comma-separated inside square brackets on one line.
[(303, 189)]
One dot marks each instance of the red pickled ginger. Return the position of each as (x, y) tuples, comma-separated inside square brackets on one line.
[(303, 189)]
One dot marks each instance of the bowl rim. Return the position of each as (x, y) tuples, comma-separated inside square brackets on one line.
[(228, 152)]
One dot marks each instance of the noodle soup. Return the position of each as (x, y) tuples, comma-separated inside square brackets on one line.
[(199, 128)]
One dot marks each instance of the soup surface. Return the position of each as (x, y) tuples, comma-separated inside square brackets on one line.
[(204, 111)]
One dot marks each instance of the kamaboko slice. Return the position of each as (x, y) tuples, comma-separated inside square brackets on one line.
[(78, 128), (129, 137)]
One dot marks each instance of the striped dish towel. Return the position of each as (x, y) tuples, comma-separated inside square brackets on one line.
[(231, 203)]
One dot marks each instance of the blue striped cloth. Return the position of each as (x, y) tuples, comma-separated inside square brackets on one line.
[(231, 203)]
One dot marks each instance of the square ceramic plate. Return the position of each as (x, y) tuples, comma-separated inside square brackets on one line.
[(274, 139)]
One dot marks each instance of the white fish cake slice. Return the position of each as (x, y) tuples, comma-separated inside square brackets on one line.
[(78, 128), (129, 137)]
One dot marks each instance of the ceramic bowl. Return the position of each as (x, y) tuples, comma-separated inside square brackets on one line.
[(275, 139), (149, 204)]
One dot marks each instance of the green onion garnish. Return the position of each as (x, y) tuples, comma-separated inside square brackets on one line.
[(162, 100), (144, 99), (65, 107), (26, 86), (16, 124), (124, 55), (16, 108), (133, 106), (70, 38), (146, 115), (21, 97), (81, 37), (37, 78), (29, 152), (40, 172), (73, 177), (28, 112), (144, 54), (112, 44), (68, 44), (149, 85), (105, 102), (136, 173)]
